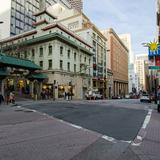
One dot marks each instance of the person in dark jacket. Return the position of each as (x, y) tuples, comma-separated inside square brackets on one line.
[(1, 98)]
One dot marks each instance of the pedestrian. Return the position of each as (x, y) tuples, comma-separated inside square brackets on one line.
[(12, 98), (64, 94), (67, 96), (158, 98), (1, 98), (7, 94)]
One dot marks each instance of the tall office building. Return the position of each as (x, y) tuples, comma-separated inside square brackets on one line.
[(126, 39), (76, 4), (158, 20), (141, 71), (17, 15)]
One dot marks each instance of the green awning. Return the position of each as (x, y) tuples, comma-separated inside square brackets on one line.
[(37, 76), (3, 72), (10, 61)]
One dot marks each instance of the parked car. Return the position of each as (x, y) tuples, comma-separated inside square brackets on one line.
[(127, 96), (97, 95), (94, 96), (145, 98)]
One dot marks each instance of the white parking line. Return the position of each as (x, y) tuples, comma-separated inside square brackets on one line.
[(144, 126), (147, 119)]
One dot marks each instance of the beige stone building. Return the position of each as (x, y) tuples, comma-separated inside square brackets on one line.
[(81, 25), (63, 56), (118, 54)]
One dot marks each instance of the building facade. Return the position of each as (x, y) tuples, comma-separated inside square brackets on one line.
[(17, 15), (119, 63), (141, 71), (61, 54), (76, 4), (81, 25), (126, 39), (158, 20)]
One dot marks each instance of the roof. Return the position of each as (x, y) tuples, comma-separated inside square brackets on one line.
[(17, 63), (16, 37), (62, 27), (44, 11)]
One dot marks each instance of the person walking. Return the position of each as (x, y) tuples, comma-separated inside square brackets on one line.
[(158, 99), (12, 97), (1, 98)]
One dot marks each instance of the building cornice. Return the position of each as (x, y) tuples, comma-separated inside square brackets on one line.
[(67, 31), (23, 35), (111, 31), (44, 11), (41, 22)]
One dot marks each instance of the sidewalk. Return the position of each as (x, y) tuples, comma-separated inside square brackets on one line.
[(29, 135), (149, 146)]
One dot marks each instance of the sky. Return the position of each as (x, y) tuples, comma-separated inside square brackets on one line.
[(137, 17)]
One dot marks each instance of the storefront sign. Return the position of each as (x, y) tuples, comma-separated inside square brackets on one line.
[(153, 49)]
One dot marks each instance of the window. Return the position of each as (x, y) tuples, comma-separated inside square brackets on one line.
[(89, 61), (61, 64), (41, 52), (80, 58), (25, 54), (94, 84), (75, 56), (61, 51), (68, 66), (75, 68), (69, 54), (85, 59), (41, 64), (49, 64), (50, 50), (33, 53)]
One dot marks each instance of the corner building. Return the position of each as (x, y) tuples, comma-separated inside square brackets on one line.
[(59, 52), (81, 25)]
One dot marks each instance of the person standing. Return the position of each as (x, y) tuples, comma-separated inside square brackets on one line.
[(158, 99), (1, 98), (12, 97)]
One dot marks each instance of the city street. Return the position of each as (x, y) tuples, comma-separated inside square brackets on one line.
[(79, 130), (107, 117)]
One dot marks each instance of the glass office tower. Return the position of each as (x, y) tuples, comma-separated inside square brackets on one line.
[(22, 14)]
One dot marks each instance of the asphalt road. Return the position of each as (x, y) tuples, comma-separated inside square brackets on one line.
[(108, 119)]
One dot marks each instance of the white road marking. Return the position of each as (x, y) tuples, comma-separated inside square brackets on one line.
[(144, 126), (126, 141), (75, 126), (110, 139), (136, 144), (147, 119), (18, 106), (139, 138)]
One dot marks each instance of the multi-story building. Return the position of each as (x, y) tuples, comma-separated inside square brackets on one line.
[(61, 54), (76, 4), (158, 20), (141, 71), (17, 15), (126, 39), (118, 53), (81, 25)]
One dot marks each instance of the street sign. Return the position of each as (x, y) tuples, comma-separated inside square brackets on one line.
[(154, 67)]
